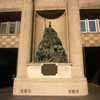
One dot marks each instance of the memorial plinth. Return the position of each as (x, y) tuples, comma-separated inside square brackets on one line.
[(60, 84)]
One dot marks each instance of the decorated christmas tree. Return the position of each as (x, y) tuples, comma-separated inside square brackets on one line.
[(50, 48)]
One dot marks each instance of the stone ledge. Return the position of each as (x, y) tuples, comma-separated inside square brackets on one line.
[(54, 87)]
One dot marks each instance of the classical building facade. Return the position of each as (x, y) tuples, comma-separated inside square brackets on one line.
[(22, 25)]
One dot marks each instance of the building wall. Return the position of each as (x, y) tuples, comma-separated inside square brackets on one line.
[(89, 4), (12, 41), (90, 39), (9, 41), (9, 5)]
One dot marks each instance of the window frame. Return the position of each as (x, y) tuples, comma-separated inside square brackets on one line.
[(98, 25), (10, 27), (18, 24), (16, 30), (89, 26), (6, 29), (85, 25)]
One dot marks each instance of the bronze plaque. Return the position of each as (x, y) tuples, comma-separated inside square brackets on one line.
[(49, 69)]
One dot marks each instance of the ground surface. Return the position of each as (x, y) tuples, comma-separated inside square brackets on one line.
[(94, 94)]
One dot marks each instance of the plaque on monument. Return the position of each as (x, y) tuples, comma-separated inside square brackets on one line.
[(49, 69)]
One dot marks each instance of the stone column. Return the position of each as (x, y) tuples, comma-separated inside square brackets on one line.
[(25, 39), (76, 56), (66, 31)]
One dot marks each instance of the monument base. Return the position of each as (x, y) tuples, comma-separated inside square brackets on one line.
[(50, 87), (51, 80)]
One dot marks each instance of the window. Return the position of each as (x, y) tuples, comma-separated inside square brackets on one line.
[(9, 27), (92, 26), (12, 27), (3, 28), (99, 25), (83, 26), (92, 19), (18, 27), (10, 22)]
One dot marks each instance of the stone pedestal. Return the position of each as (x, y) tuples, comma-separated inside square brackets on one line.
[(61, 84)]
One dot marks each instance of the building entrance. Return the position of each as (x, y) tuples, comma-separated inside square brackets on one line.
[(92, 64), (8, 62)]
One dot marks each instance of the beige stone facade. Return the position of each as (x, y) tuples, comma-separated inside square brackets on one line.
[(70, 80)]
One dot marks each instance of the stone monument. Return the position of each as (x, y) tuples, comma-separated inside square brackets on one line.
[(50, 60)]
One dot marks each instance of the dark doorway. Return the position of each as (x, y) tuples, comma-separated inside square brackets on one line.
[(8, 63), (92, 64)]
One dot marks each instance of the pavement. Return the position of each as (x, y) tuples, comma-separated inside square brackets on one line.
[(94, 94)]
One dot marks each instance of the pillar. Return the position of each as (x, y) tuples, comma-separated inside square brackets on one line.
[(76, 55), (25, 39), (66, 31)]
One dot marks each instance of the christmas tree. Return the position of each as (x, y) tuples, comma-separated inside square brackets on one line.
[(50, 48)]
